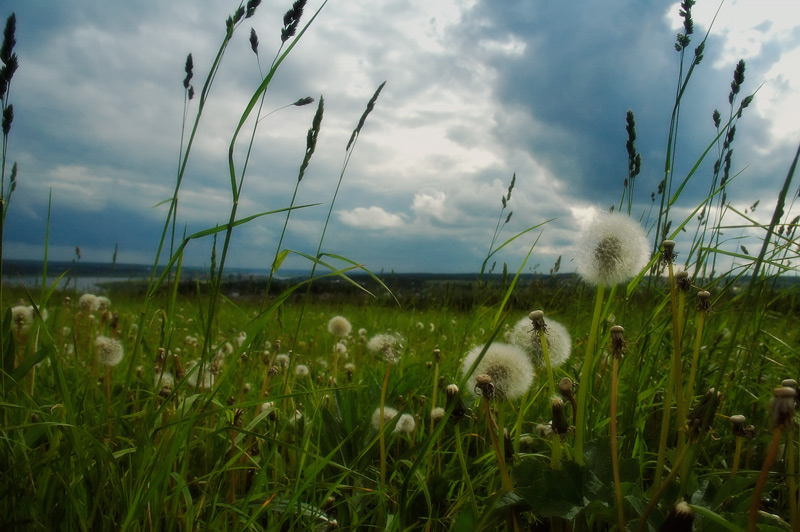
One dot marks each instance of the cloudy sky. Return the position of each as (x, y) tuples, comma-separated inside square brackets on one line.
[(474, 93)]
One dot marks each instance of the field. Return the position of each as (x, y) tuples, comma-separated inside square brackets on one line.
[(647, 391)]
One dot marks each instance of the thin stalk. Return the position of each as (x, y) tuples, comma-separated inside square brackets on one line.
[(465, 472), (663, 488), (585, 382), (382, 422), (737, 455), (762, 478), (614, 447), (701, 320), (791, 478)]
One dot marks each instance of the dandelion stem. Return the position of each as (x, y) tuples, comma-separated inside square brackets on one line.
[(737, 454), (586, 380), (663, 488), (465, 472), (614, 449), (383, 422), (762, 478)]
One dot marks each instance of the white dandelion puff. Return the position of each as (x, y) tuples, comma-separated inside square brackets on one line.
[(612, 250), (109, 351), (559, 343), (339, 326), (509, 367)]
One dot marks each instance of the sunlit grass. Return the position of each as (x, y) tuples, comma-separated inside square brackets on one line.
[(266, 412)]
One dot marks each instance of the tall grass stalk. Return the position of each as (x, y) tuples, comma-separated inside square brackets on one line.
[(584, 388)]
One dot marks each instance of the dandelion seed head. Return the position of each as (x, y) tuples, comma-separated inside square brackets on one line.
[(559, 343), (22, 318), (612, 250), (339, 326), (340, 348), (301, 370), (437, 414), (101, 304), (388, 415), (509, 367), (405, 425), (194, 379), (87, 301), (109, 351), (388, 345)]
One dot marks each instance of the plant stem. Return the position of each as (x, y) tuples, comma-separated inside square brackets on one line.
[(586, 380), (737, 454), (382, 423), (465, 472), (662, 488), (762, 478), (614, 449)]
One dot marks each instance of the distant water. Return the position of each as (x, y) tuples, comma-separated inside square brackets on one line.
[(91, 277)]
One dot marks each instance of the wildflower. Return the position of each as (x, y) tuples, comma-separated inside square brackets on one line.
[(388, 415), (362, 332), (431, 327), (340, 348), (559, 343), (612, 250), (509, 367), (405, 425), (339, 326), (389, 345), (301, 370), (109, 351), (437, 414)]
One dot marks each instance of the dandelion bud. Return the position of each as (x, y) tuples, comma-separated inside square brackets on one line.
[(680, 519), (537, 320), (559, 423), (617, 341), (781, 406), (437, 355), (703, 301), (459, 409), (738, 425), (789, 383), (750, 432), (273, 371), (484, 386), (702, 417), (668, 251), (139, 371), (682, 281)]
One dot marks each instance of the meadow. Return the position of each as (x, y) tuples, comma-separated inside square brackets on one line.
[(650, 391)]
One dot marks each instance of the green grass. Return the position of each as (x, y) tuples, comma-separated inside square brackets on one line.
[(263, 447)]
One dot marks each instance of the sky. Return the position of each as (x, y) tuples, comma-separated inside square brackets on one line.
[(474, 94)]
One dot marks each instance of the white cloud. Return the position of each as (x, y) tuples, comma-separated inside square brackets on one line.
[(370, 218), (431, 205)]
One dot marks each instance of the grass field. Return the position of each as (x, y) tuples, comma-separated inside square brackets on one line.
[(618, 407)]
